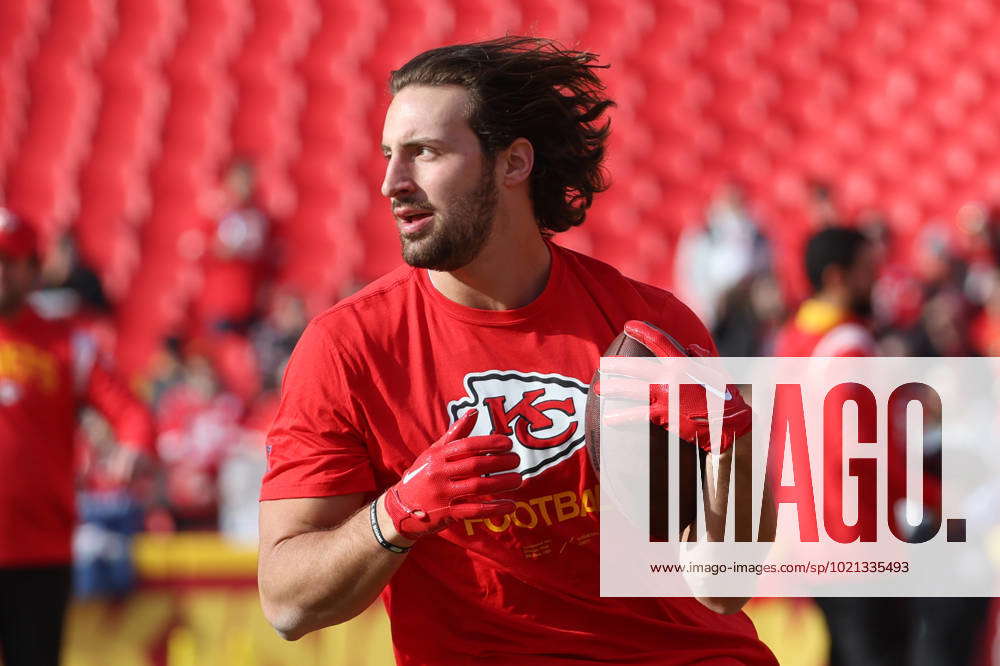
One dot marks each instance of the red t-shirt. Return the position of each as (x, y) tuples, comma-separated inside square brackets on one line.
[(46, 369), (379, 376)]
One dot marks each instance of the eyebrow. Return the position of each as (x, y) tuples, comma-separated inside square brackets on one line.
[(418, 141)]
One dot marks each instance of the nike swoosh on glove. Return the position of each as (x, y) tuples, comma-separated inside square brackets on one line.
[(447, 481), (693, 419)]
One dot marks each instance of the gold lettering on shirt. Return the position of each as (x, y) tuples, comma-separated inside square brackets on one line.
[(544, 510)]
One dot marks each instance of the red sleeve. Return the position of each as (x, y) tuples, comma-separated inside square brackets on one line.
[(130, 418), (682, 323), (315, 448)]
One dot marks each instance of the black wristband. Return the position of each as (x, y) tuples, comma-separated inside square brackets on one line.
[(373, 518)]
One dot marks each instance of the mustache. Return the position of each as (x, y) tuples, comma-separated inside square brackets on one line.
[(417, 205)]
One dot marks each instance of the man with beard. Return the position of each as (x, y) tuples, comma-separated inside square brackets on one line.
[(483, 539)]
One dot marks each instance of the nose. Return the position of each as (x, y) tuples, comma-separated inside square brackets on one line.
[(398, 181)]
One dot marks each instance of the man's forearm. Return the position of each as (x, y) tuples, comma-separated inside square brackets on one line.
[(322, 578), (735, 463)]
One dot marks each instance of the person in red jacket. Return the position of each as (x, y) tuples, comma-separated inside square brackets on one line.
[(47, 370), (429, 442)]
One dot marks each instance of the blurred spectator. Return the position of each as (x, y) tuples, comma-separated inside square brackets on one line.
[(236, 261), (70, 289), (199, 422), (69, 283), (102, 545), (240, 474), (937, 263), (274, 337), (750, 316), (943, 329), (897, 299), (236, 267), (978, 245), (729, 250), (167, 369), (985, 327), (232, 357), (46, 369)]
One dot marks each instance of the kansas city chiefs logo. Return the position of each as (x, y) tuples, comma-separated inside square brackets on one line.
[(542, 414)]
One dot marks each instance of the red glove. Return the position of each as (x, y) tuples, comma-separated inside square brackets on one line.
[(446, 482), (693, 421)]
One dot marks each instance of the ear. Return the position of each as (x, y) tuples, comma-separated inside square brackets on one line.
[(517, 161)]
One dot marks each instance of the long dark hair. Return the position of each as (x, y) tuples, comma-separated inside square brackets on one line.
[(531, 88)]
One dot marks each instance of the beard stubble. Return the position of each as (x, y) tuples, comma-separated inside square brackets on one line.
[(456, 237)]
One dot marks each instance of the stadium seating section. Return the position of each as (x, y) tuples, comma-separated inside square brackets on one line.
[(117, 116)]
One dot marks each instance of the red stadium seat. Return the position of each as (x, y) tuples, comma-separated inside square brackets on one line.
[(983, 135), (613, 33), (409, 29), (563, 21), (20, 23), (476, 20)]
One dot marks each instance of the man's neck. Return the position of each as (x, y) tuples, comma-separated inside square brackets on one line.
[(506, 275)]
